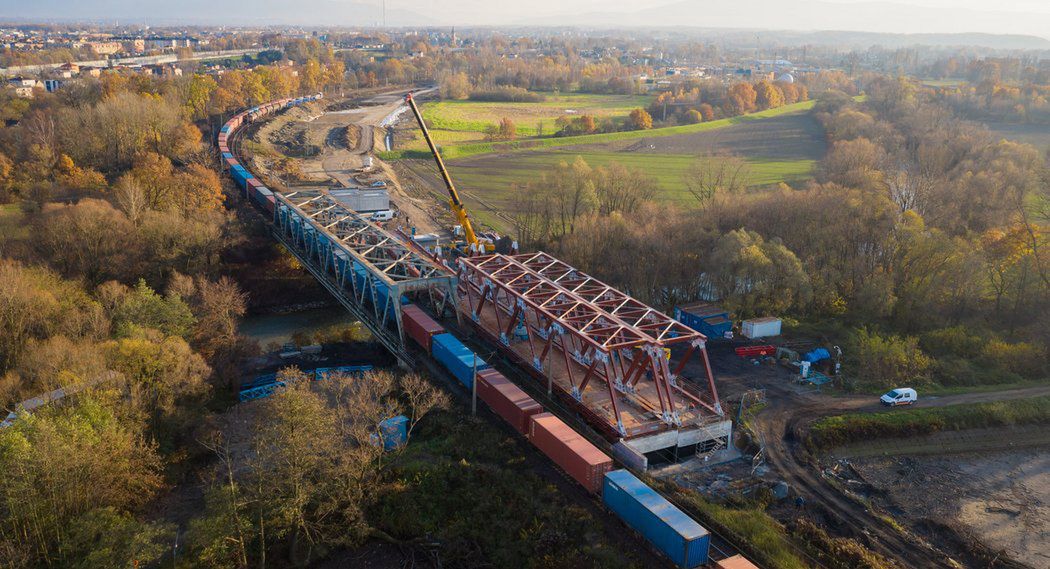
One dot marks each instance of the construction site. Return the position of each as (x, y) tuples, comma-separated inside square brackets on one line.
[(696, 400)]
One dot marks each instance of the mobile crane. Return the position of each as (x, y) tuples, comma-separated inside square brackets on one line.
[(473, 242)]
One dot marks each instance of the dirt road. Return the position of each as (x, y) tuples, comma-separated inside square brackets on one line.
[(781, 425), (361, 122)]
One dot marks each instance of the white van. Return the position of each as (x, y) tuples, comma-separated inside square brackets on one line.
[(385, 215), (900, 396)]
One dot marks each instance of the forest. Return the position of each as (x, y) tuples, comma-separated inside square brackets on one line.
[(921, 245)]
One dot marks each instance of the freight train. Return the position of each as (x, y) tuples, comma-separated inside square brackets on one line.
[(664, 526)]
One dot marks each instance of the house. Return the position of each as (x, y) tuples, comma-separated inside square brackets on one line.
[(23, 86)]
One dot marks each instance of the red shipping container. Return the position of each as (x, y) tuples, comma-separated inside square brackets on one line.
[(575, 455), (419, 326), (507, 399)]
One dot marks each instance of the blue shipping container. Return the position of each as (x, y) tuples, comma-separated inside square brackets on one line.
[(394, 432), (457, 358), (708, 320), (665, 526), (227, 155), (225, 128)]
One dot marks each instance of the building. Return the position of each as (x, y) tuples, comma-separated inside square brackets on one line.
[(24, 87), (105, 47)]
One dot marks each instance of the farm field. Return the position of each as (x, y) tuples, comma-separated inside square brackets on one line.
[(782, 148), (475, 116), (496, 177), (1034, 134)]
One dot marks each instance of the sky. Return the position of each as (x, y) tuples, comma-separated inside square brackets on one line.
[(1031, 17)]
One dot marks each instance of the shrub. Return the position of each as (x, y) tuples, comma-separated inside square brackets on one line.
[(956, 341), (1023, 358), (887, 361)]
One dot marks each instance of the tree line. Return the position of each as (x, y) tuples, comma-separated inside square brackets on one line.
[(921, 244)]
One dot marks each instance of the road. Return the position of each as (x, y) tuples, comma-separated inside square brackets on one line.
[(781, 424), (367, 116)]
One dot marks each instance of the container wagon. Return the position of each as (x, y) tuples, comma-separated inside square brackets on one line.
[(506, 399), (575, 455), (666, 527), (457, 358), (419, 326)]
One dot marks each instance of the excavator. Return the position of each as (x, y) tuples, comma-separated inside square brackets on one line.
[(472, 243)]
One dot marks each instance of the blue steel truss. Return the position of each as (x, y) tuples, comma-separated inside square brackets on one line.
[(369, 270)]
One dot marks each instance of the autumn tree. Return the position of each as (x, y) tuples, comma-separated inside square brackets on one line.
[(455, 86), (741, 99), (768, 95), (70, 472), (639, 120), (504, 130)]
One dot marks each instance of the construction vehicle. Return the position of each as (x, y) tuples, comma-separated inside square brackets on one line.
[(471, 243)]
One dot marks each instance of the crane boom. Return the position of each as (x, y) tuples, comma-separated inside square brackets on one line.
[(458, 209)]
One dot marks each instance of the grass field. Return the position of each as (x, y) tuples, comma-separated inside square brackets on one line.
[(496, 177), (12, 224), (475, 116), (454, 151), (830, 432)]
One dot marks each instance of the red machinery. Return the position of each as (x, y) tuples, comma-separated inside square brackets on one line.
[(752, 351)]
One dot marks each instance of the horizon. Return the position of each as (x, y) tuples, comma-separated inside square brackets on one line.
[(904, 17)]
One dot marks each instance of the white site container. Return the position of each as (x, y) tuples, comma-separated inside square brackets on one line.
[(760, 327), (363, 200)]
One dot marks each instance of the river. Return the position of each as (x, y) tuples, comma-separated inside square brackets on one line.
[(279, 328)]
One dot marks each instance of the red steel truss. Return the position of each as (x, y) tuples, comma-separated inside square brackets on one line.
[(601, 335)]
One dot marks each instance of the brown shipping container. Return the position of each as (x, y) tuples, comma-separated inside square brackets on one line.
[(735, 562), (507, 399), (419, 326), (577, 457)]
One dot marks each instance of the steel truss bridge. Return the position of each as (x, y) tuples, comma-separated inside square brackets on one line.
[(579, 331), (369, 270)]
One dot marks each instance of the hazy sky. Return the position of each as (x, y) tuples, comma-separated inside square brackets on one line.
[(904, 16)]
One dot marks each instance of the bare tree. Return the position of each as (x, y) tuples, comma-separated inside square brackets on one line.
[(908, 189), (712, 175)]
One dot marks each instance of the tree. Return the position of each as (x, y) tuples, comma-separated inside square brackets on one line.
[(36, 304), (711, 176), (741, 99), (706, 111), (198, 188), (141, 307), (90, 240), (756, 276), (768, 95), (455, 86), (199, 93), (504, 130), (308, 465), (69, 472), (884, 361), (640, 120), (854, 163), (693, 116)]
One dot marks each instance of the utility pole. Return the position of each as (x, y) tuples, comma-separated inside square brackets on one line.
[(474, 388)]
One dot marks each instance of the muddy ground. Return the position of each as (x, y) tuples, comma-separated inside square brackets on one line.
[(999, 498), (788, 137)]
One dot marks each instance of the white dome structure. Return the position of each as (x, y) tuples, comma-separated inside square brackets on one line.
[(786, 78)]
